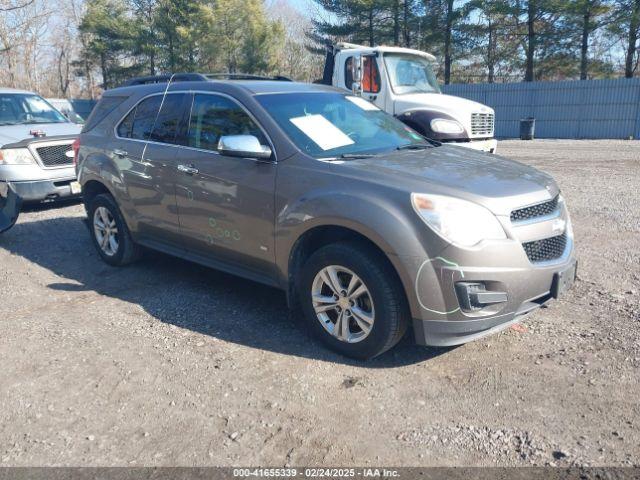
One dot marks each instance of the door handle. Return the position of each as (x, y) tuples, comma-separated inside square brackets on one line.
[(120, 153), (188, 169)]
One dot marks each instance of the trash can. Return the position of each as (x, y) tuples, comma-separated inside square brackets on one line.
[(527, 128)]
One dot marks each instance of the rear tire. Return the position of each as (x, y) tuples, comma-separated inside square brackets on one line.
[(109, 232), (352, 300)]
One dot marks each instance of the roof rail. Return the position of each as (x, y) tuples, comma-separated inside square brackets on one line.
[(198, 77), (178, 77), (245, 76)]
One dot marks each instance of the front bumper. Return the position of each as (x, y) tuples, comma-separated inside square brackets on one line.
[(489, 146), (44, 190), (527, 290)]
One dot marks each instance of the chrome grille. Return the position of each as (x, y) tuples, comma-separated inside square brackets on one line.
[(482, 124), (55, 155), (535, 211), (547, 249)]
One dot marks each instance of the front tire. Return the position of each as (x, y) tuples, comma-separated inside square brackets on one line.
[(352, 300), (110, 233)]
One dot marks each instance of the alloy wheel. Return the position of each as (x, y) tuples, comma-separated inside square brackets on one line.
[(343, 304), (106, 231)]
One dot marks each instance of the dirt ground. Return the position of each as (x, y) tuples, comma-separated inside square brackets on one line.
[(168, 363)]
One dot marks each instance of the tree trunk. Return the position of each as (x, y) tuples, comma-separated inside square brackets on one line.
[(406, 34), (447, 43), (634, 24), (152, 61), (105, 73), (371, 27), (490, 53), (531, 40), (396, 22), (584, 48)]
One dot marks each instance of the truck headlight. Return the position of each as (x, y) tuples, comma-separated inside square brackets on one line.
[(16, 156), (457, 221), (442, 125)]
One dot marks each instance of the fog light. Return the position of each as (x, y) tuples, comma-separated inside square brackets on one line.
[(474, 296)]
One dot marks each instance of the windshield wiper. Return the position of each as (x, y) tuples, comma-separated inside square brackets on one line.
[(352, 156), (414, 146)]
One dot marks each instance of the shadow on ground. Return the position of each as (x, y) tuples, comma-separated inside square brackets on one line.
[(184, 294)]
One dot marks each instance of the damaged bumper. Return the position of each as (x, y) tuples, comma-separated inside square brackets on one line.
[(10, 203)]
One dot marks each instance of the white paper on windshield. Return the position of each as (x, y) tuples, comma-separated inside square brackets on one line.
[(362, 103), (323, 133)]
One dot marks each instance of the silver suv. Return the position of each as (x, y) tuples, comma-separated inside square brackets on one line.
[(36, 155), (369, 227)]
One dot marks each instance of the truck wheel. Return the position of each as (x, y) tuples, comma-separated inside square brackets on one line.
[(352, 300), (110, 233)]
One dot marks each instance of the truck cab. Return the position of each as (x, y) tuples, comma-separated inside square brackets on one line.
[(402, 82)]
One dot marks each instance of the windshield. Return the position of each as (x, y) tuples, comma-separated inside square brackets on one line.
[(20, 109), (410, 74), (327, 125)]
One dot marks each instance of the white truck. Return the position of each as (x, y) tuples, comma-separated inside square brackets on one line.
[(401, 82)]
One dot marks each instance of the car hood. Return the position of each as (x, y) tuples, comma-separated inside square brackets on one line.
[(490, 180), (16, 133)]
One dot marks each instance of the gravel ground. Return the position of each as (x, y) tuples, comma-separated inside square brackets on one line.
[(168, 363)]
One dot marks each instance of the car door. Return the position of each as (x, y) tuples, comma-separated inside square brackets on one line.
[(150, 131), (226, 204)]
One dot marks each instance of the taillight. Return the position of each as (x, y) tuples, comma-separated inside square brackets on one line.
[(76, 148)]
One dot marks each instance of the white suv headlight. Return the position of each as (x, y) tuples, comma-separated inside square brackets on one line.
[(457, 221), (442, 125), (16, 156)]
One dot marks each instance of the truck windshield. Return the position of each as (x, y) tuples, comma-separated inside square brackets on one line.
[(410, 74), (21, 108), (329, 125)]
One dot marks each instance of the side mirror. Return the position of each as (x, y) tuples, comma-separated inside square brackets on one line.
[(357, 69), (245, 146)]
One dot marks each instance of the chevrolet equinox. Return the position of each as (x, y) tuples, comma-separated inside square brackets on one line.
[(369, 227)]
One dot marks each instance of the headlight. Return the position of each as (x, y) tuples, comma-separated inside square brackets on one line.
[(442, 125), (16, 156), (563, 206), (457, 221)]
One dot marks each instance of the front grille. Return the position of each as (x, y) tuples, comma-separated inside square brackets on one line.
[(547, 249), (55, 155), (535, 211), (482, 124)]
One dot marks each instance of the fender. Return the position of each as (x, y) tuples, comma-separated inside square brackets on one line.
[(420, 120), (379, 225), (10, 204)]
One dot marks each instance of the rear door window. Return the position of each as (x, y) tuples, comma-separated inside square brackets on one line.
[(145, 116), (213, 116), (144, 122)]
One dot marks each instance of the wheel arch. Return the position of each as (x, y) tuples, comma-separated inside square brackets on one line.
[(318, 236)]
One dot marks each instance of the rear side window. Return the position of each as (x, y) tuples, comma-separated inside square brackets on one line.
[(105, 106), (213, 116), (145, 123)]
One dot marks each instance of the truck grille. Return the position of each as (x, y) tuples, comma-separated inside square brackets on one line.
[(547, 249), (482, 124), (55, 155), (535, 211)]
